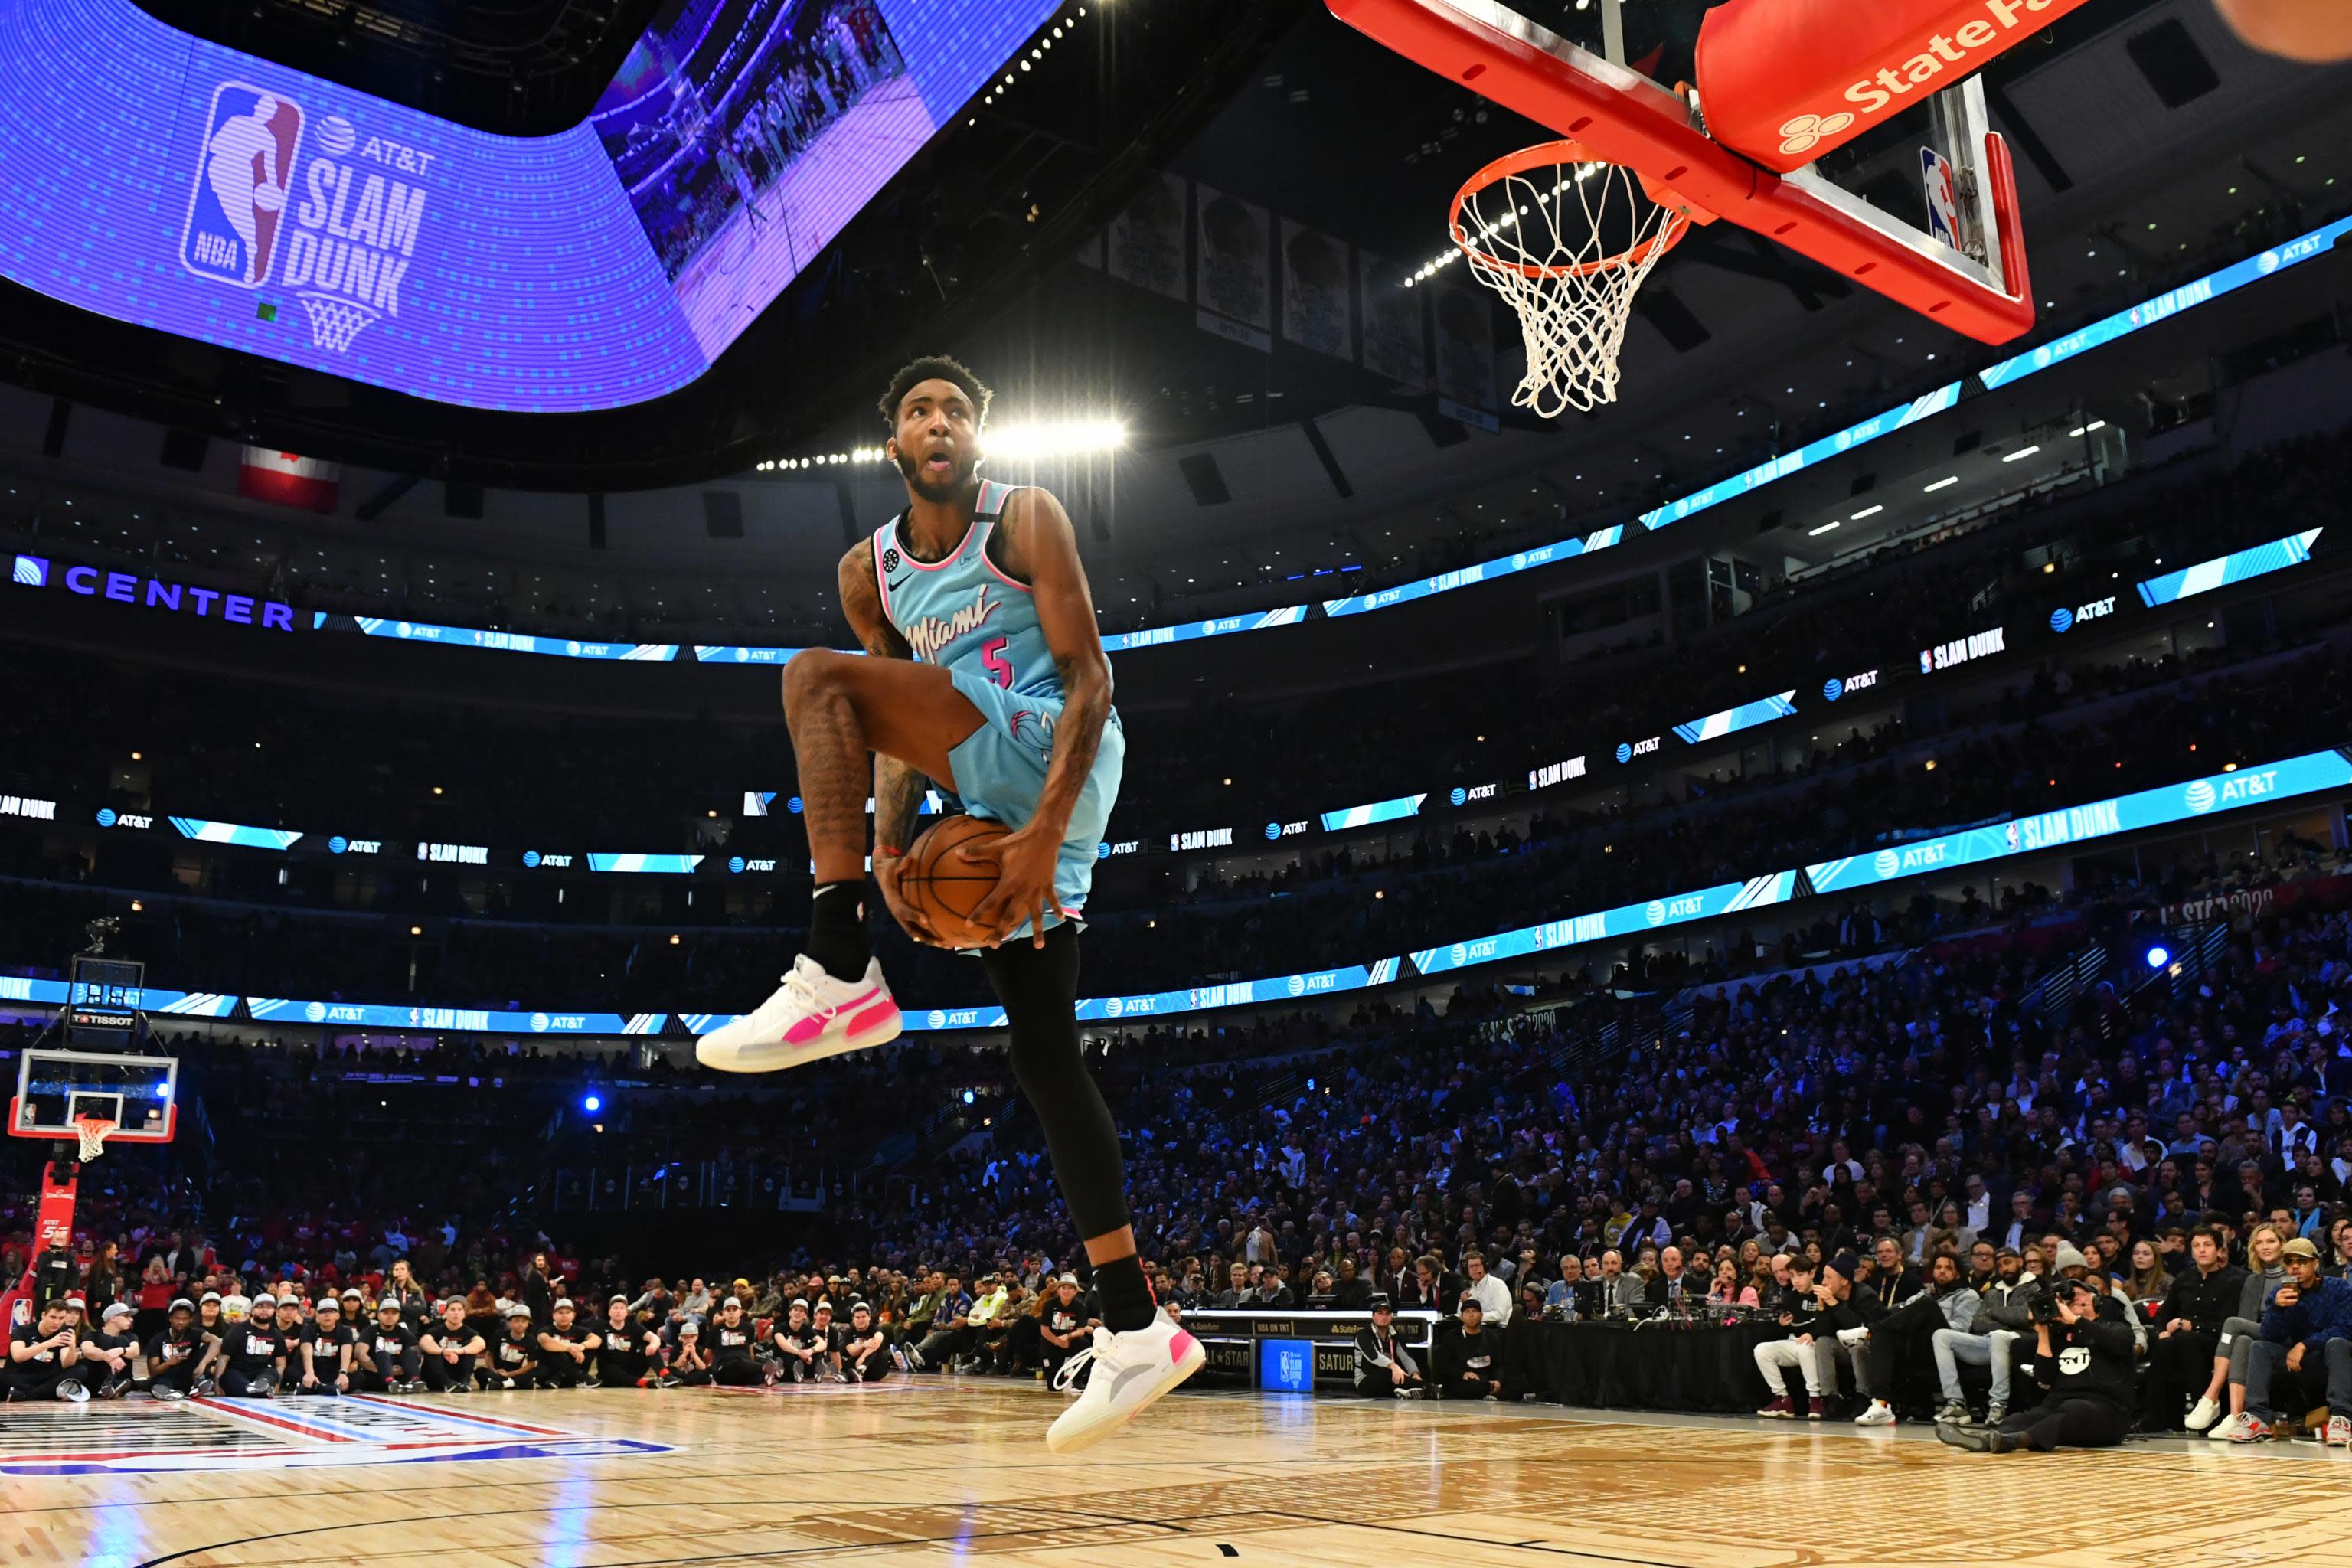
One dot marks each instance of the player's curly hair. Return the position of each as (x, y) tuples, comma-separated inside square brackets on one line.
[(933, 367)]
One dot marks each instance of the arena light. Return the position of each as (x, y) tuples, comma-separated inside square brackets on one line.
[(591, 1104), (1943, 484), (1030, 440), (2021, 454), (2159, 956)]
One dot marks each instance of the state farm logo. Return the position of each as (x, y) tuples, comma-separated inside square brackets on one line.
[(1807, 131)]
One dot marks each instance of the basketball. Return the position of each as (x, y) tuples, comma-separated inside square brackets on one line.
[(943, 887), (269, 199)]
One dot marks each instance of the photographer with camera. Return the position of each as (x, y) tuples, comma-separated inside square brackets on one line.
[(2082, 1355)]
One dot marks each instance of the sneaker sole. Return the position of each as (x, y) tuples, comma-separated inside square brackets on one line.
[(779, 1057), (1059, 1442)]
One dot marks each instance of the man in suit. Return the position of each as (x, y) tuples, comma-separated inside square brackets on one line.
[(1672, 1286)]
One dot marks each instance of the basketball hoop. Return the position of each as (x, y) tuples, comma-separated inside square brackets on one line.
[(1568, 239), (92, 1131)]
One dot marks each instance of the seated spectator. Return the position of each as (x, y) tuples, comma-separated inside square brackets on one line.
[(43, 1358), (324, 1347), (180, 1354), (2307, 1332), (1066, 1326), (2004, 1315), (2233, 1352), (107, 1353), (384, 1356), (1947, 1305), (1800, 1312), (513, 1361), (563, 1349), (451, 1349), (864, 1358), (800, 1350)]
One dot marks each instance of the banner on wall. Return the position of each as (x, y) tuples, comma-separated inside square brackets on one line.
[(1392, 344), (1465, 354), (1315, 278), (1144, 244), (1233, 274)]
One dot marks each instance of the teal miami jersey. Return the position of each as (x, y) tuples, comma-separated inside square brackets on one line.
[(962, 613), (980, 626)]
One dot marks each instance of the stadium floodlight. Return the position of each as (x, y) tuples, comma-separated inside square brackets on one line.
[(1029, 441), (591, 1104), (2159, 956)]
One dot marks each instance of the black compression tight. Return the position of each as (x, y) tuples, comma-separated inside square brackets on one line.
[(1039, 988)]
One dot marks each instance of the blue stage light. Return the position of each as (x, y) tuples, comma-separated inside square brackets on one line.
[(2159, 956), (591, 1104)]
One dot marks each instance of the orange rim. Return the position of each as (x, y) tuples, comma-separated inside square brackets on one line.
[(1555, 154)]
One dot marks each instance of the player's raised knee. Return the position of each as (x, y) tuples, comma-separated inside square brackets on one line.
[(811, 670)]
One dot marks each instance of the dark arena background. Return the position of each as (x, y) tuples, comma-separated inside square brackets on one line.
[(1726, 936)]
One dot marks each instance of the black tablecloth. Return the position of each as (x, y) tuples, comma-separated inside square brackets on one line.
[(1620, 1366)]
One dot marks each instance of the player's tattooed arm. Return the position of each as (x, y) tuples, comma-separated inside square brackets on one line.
[(897, 788), (1041, 549)]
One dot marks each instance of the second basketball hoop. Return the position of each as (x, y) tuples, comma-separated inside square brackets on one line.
[(1567, 239)]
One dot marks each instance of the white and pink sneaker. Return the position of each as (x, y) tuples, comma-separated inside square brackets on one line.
[(811, 1016), (1130, 1371)]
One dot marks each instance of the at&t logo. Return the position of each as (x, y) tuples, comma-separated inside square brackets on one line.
[(1887, 862), (937, 1018), (1833, 688), (1298, 985), (1459, 952), (539, 1022), (1113, 1006), (316, 1012), (1625, 751), (1655, 911), (2062, 620), (2199, 797)]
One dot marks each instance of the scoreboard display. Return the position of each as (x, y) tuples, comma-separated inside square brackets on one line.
[(103, 1000), (163, 180)]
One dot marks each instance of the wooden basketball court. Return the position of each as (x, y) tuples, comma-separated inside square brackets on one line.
[(933, 1472)]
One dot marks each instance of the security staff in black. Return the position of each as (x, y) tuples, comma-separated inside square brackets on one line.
[(865, 1348), (1067, 1328), (253, 1355), (324, 1349), (108, 1354), (800, 1349), (45, 1356), (564, 1349), (621, 1358), (385, 1357), (2082, 1355), (733, 1341), (514, 1359), (451, 1349), (1384, 1368), (1469, 1363), (176, 1356)]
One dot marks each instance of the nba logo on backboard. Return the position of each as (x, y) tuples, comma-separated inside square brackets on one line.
[(244, 171), (1943, 199)]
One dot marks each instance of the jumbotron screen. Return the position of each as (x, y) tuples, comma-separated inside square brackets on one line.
[(163, 180)]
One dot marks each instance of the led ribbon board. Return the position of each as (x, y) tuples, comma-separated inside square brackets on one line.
[(2237, 566), (177, 183), (1715, 726), (2081, 824)]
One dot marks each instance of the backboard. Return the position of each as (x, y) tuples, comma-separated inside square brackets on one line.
[(1780, 84), (56, 1091)]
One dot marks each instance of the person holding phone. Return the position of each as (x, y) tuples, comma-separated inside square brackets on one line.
[(2307, 1331)]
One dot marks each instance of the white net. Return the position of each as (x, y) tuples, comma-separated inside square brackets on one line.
[(92, 1131), (334, 323), (1569, 245)]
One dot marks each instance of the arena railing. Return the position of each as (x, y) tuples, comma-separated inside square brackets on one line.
[(2231, 790)]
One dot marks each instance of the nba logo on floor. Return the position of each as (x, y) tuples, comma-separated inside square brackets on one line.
[(1943, 200), (244, 171)]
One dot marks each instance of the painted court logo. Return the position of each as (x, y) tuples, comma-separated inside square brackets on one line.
[(245, 171)]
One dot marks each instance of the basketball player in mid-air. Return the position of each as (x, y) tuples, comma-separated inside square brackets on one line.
[(987, 675)]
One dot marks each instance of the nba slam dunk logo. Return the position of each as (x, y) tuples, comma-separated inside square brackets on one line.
[(237, 212), (341, 237)]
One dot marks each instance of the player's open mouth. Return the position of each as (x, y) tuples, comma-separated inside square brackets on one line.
[(938, 464)]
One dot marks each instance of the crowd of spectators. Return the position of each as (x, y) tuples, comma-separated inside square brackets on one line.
[(1813, 1143)]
